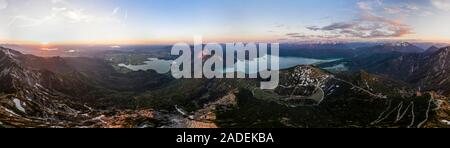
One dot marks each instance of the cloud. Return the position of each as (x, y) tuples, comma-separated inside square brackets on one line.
[(3, 4), (63, 14), (364, 6), (427, 13), (338, 26), (392, 10), (309, 37), (411, 7), (313, 28), (279, 26), (62, 20), (370, 27), (292, 34), (57, 13), (49, 49), (441, 4), (58, 1), (404, 9), (367, 25), (115, 11), (59, 9), (78, 15), (283, 39)]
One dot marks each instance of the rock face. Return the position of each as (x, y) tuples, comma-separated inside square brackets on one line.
[(426, 71), (433, 72), (429, 72), (25, 99)]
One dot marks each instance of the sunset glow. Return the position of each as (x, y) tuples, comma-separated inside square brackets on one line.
[(157, 22)]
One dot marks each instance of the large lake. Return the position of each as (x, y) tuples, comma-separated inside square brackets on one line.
[(285, 62), (160, 66), (163, 66)]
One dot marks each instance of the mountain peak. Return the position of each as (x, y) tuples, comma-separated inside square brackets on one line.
[(431, 50), (401, 47), (399, 44), (9, 52), (9, 57)]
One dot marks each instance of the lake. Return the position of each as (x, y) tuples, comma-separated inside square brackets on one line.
[(285, 62), (160, 66), (163, 66)]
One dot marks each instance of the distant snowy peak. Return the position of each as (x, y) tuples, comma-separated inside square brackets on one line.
[(400, 44), (402, 47)]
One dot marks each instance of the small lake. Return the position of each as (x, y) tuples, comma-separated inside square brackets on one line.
[(163, 66), (160, 66)]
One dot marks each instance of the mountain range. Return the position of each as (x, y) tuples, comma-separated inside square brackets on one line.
[(391, 85), (425, 70)]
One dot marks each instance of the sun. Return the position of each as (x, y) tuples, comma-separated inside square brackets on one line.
[(44, 43)]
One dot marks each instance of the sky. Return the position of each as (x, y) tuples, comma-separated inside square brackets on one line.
[(167, 21)]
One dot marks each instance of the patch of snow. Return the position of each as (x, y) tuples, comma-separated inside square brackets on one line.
[(8, 53), (18, 104), (29, 98), (144, 126), (82, 127), (11, 112), (4, 72), (367, 84), (37, 85), (181, 111), (99, 118), (446, 122)]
